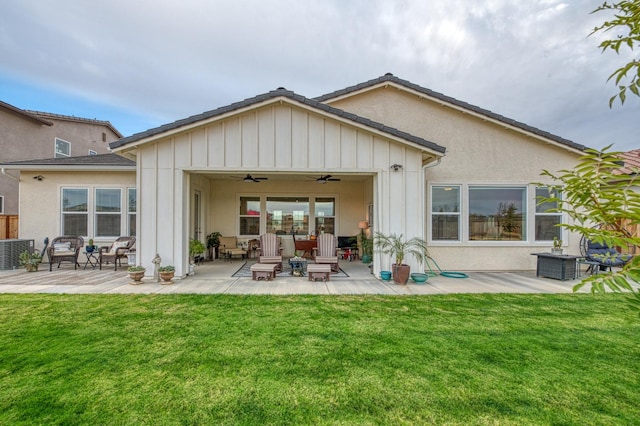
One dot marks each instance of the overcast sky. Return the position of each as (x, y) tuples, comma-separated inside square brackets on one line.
[(143, 63)]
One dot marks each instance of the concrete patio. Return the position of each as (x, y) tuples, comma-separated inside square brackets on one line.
[(216, 278)]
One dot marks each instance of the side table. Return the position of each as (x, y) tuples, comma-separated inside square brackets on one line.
[(92, 259), (298, 267)]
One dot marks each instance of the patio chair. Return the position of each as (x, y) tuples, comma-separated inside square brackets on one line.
[(270, 250), (229, 248), (602, 255), (64, 249), (116, 251), (325, 252)]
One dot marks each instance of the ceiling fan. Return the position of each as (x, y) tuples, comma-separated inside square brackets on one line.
[(249, 178), (325, 179)]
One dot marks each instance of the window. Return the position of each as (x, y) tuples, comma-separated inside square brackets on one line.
[(92, 152), (547, 222), (107, 212), (132, 211), (63, 149), (1, 204), (249, 215), (445, 213), (497, 213), (75, 211), (288, 214), (325, 212)]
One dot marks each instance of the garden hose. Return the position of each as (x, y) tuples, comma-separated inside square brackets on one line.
[(448, 274)]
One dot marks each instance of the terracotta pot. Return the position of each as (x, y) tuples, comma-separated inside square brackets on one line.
[(136, 277), (167, 276), (400, 273), (31, 267)]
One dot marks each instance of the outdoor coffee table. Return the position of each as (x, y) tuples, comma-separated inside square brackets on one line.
[(298, 267)]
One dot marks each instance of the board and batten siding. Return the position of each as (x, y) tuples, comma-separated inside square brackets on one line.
[(273, 138)]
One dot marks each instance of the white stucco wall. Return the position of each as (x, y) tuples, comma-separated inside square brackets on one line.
[(479, 152)]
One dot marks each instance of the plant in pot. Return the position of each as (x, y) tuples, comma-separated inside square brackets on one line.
[(167, 273), (196, 248), (367, 250), (213, 242), (136, 273), (398, 248), (90, 247), (557, 246), (30, 260)]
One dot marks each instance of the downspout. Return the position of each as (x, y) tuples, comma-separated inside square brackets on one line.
[(423, 183), (9, 176)]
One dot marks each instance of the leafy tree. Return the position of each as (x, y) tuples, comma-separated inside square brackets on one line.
[(626, 19), (595, 193)]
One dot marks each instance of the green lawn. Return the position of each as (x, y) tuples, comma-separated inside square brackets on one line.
[(191, 359)]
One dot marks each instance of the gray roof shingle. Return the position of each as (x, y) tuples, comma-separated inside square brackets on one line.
[(280, 92), (393, 79), (106, 160)]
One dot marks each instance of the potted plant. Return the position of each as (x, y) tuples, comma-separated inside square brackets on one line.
[(166, 273), (367, 250), (90, 247), (30, 260), (136, 273), (398, 248), (196, 248), (557, 246), (213, 242)]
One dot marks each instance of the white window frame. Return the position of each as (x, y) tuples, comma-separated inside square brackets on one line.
[(464, 216), (96, 213), (131, 232), (560, 215), (92, 152), (62, 211), (1, 204), (59, 154), (452, 213)]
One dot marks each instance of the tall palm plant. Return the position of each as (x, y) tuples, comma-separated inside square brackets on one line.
[(398, 248)]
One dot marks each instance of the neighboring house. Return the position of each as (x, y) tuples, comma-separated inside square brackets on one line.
[(407, 160), (27, 135)]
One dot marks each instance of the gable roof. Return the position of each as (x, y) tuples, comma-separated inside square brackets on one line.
[(93, 162), (270, 96), (390, 78), (24, 114)]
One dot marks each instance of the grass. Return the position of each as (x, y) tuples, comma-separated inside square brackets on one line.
[(191, 359)]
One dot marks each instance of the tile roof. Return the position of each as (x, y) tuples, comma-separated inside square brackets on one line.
[(76, 119), (631, 162), (280, 92), (390, 78), (105, 160)]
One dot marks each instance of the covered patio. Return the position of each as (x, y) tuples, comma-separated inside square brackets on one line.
[(216, 278)]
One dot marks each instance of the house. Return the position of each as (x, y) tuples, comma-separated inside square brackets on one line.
[(28, 135), (401, 157)]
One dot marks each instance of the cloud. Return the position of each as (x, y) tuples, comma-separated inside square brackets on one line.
[(165, 60)]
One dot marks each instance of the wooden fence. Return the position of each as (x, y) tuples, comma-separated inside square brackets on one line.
[(8, 227)]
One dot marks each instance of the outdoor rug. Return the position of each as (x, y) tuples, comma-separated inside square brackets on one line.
[(245, 270)]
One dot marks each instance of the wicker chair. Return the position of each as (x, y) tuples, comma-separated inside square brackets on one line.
[(64, 249), (326, 251), (116, 251)]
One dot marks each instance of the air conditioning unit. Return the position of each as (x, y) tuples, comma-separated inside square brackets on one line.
[(10, 252)]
